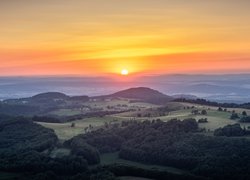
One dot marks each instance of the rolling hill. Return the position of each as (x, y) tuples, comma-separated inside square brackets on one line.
[(50, 95), (143, 94)]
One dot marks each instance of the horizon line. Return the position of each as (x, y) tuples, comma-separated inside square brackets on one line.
[(108, 75)]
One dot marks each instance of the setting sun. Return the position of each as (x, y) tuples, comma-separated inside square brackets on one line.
[(124, 72)]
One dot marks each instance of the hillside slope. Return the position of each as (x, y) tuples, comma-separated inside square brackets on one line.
[(144, 94)]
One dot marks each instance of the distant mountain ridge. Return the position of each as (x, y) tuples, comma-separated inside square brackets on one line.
[(50, 95), (49, 101), (58, 96), (184, 96), (214, 87), (143, 93)]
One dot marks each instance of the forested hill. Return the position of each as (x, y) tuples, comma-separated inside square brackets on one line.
[(20, 134), (179, 144), (211, 103), (144, 94), (50, 95), (31, 151), (47, 97), (58, 96)]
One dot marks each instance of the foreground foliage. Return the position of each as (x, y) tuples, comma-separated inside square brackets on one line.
[(25, 147), (175, 143)]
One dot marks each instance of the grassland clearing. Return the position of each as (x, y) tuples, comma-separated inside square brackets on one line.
[(65, 112), (65, 131), (180, 111)]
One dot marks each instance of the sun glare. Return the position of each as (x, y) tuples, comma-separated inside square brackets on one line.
[(124, 72)]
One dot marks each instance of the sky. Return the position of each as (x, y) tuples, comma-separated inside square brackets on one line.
[(103, 37)]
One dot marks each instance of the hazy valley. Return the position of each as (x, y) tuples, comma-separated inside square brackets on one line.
[(221, 88)]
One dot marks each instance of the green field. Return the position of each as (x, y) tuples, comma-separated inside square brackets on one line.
[(64, 131), (215, 118), (65, 112)]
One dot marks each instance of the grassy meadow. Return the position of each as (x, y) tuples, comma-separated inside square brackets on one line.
[(64, 131), (215, 118)]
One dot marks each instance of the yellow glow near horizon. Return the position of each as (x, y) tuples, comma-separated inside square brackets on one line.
[(124, 72)]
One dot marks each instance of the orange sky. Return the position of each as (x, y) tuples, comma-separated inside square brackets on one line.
[(97, 37)]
